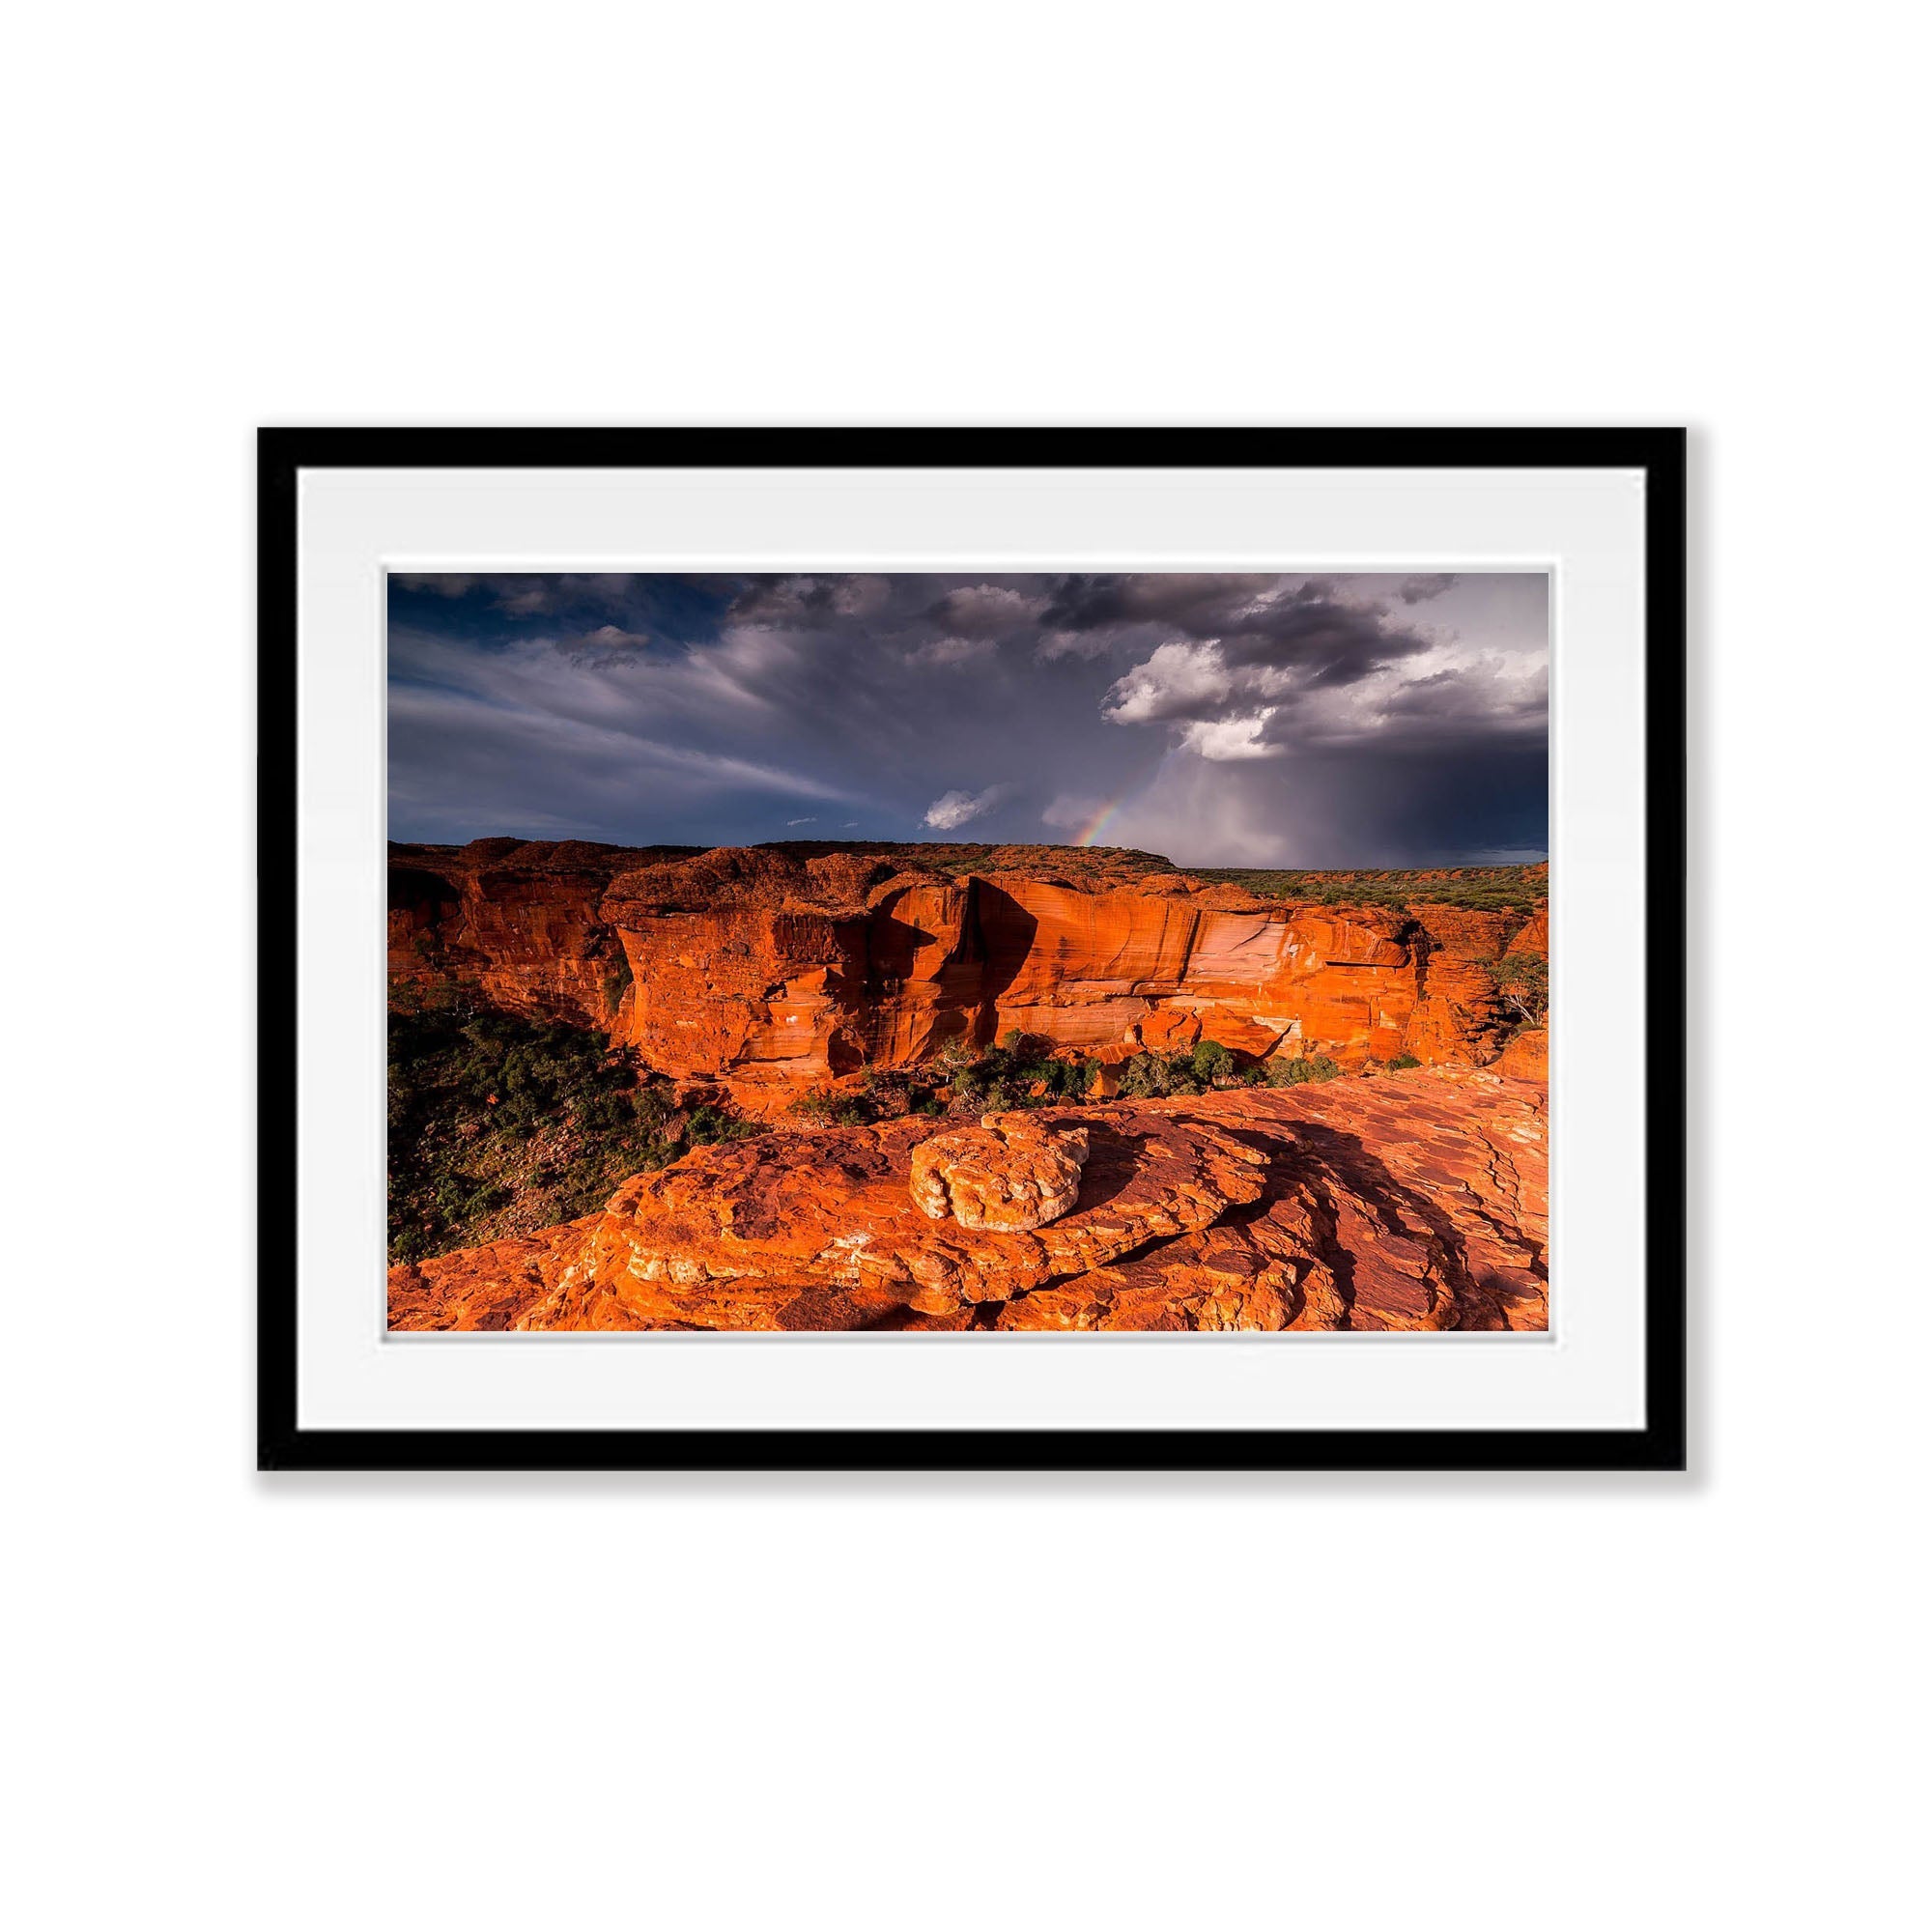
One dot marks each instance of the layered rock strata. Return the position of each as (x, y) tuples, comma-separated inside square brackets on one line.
[(769, 971)]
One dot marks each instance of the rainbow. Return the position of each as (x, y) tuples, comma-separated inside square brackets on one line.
[(1097, 824), (1136, 783)]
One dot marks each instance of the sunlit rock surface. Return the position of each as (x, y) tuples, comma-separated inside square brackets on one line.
[(770, 971), (1409, 1201), (1009, 1174)]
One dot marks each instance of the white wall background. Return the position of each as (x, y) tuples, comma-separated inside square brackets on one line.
[(1502, 1703)]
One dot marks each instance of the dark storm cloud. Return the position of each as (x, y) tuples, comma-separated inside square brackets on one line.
[(1260, 719), (986, 611), (1488, 696), (808, 601), (1308, 624), (1198, 606), (1332, 641)]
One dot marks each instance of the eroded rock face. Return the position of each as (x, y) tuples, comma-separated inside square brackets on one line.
[(1007, 1174), (1416, 1200), (1527, 1055), (519, 921), (771, 970)]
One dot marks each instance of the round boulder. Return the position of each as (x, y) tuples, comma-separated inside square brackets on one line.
[(1007, 1175)]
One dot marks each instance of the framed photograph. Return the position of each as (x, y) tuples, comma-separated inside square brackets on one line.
[(1090, 949)]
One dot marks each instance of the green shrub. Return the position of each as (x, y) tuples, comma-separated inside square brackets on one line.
[(709, 1124), (1005, 1076), (1155, 1076), (1209, 1059), (832, 1109), (1313, 1067)]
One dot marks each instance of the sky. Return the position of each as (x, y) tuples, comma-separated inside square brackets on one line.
[(1219, 720)]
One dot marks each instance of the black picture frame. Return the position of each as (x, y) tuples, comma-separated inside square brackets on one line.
[(1660, 1444)]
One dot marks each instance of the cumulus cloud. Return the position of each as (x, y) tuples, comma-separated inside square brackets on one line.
[(1225, 739), (986, 611), (955, 808), (1328, 661), (1174, 682)]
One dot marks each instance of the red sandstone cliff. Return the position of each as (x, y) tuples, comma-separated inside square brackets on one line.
[(1415, 1201), (517, 920), (768, 969)]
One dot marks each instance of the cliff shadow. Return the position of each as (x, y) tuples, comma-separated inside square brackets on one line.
[(1111, 1158), (1004, 931), (1333, 1164), (1334, 1155)]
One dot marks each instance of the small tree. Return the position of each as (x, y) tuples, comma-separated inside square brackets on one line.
[(1211, 1059), (955, 1053), (1521, 982)]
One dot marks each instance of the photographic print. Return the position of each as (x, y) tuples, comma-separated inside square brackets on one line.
[(973, 953)]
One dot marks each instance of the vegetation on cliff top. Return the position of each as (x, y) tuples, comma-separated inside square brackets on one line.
[(501, 1125), (1470, 888), (1475, 887)]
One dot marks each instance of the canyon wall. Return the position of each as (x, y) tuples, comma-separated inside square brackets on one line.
[(770, 969), (516, 920)]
